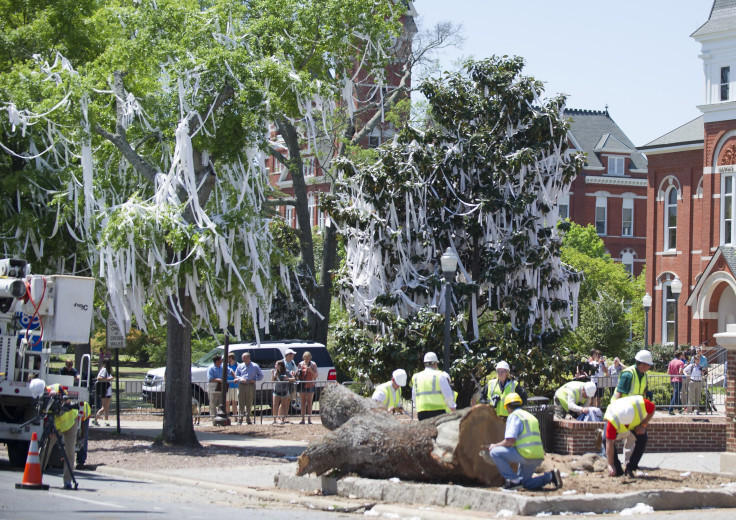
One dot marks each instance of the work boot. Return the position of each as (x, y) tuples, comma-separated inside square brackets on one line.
[(512, 484), (557, 479), (486, 457), (598, 440)]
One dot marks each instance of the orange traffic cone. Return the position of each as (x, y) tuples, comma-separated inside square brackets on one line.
[(32, 473)]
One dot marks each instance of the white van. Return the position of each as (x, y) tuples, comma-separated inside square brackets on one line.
[(264, 355)]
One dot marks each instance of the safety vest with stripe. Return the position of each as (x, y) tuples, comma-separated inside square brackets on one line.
[(494, 389), (66, 420), (638, 386), (574, 389), (427, 390), (529, 443), (391, 397), (614, 411)]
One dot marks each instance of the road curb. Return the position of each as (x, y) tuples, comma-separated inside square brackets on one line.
[(479, 499)]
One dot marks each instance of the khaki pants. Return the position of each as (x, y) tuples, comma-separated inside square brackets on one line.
[(694, 389), (246, 395), (215, 398), (69, 439)]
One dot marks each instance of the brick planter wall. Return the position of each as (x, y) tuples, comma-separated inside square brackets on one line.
[(665, 435)]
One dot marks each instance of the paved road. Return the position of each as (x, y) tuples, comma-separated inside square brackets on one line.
[(100, 496)]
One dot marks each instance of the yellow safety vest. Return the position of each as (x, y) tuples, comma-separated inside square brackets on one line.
[(494, 389), (574, 388), (614, 410), (427, 390), (391, 398), (84, 411), (638, 387), (66, 420), (529, 443)]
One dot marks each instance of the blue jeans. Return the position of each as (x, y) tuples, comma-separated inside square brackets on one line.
[(675, 401), (503, 457)]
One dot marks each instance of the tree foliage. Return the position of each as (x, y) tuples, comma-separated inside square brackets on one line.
[(483, 179), (610, 300)]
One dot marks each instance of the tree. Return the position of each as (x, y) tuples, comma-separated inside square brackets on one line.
[(483, 179), (610, 299), (144, 145), (350, 80)]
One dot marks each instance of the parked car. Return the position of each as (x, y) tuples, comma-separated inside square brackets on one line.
[(265, 355)]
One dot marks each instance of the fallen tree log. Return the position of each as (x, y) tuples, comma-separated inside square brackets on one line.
[(370, 442)]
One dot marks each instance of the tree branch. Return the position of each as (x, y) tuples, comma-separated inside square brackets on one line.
[(226, 93)]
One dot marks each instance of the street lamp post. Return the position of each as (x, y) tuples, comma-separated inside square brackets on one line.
[(647, 304), (449, 264), (676, 287)]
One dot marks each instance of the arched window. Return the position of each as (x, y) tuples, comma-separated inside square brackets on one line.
[(670, 219), (727, 210), (627, 259)]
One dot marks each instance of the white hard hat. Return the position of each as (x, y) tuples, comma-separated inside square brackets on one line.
[(430, 357), (399, 377), (504, 365), (627, 415), (37, 386), (589, 388), (644, 356)]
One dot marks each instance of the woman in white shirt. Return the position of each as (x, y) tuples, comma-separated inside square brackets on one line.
[(104, 392), (694, 386)]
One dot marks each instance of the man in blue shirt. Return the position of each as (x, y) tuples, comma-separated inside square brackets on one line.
[(214, 384), (246, 375)]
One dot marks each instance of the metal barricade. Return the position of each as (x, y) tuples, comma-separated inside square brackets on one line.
[(544, 412)]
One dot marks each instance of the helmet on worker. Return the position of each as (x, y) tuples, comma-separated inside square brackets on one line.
[(590, 388), (627, 414), (644, 356), (399, 377), (512, 401), (430, 357)]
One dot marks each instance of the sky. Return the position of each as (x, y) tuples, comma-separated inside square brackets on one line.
[(637, 57)]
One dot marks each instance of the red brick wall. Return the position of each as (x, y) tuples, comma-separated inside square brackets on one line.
[(693, 234), (665, 435), (731, 402)]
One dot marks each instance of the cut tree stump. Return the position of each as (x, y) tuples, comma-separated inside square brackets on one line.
[(369, 441)]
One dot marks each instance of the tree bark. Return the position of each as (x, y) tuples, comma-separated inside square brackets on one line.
[(178, 427), (369, 441)]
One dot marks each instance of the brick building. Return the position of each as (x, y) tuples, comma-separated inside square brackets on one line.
[(611, 191), (691, 215)]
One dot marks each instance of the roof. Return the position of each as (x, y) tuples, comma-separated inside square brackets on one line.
[(722, 18), (729, 256), (691, 132), (596, 132)]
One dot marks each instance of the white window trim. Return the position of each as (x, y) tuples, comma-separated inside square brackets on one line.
[(723, 239), (627, 203), (616, 159), (601, 202), (666, 242)]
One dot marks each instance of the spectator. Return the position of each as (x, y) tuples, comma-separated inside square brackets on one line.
[(613, 372), (231, 400), (307, 374), (247, 374), (104, 391), (214, 383), (281, 391), (601, 374), (104, 356), (291, 369), (675, 369), (69, 370), (694, 385)]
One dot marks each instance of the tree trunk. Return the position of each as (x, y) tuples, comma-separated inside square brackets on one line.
[(323, 300), (178, 427), (372, 443)]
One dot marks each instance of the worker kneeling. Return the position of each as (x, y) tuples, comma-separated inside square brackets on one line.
[(625, 417), (522, 445), (389, 393), (574, 398)]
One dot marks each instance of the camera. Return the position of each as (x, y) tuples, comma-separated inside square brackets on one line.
[(494, 400)]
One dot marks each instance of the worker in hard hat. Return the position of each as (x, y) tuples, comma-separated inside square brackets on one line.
[(431, 390), (627, 417), (498, 388), (85, 411), (574, 398), (633, 380), (65, 422), (389, 393), (522, 445)]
